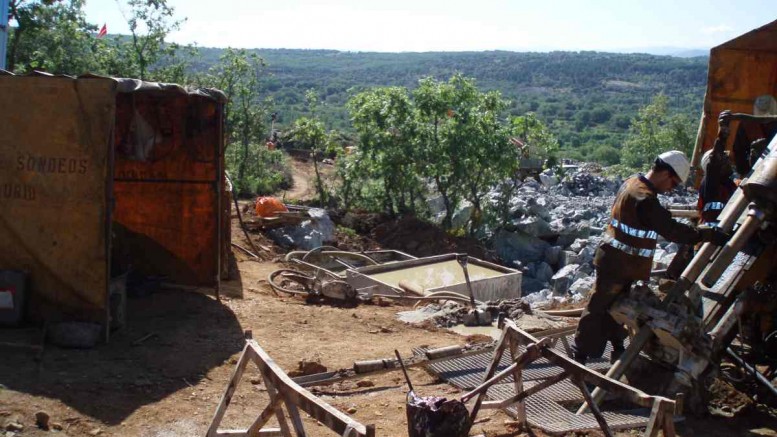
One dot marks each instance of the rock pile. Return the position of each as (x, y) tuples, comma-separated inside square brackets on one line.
[(450, 314), (317, 231), (556, 226)]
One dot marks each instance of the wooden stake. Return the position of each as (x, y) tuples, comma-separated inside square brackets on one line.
[(594, 408), (278, 410), (498, 351), (227, 397), (520, 410)]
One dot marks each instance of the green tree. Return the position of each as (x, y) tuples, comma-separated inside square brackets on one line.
[(438, 137), (150, 22), (540, 141), (654, 131), (52, 36), (606, 155), (310, 133), (490, 157), (464, 145), (384, 120), (239, 75)]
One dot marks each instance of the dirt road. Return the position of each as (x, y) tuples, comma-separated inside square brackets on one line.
[(302, 188), (304, 180)]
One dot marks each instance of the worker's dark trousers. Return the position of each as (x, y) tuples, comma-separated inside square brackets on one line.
[(596, 326)]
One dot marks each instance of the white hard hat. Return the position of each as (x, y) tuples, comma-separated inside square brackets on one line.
[(679, 163), (705, 160)]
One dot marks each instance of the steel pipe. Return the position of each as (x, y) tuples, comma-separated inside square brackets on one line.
[(752, 223)]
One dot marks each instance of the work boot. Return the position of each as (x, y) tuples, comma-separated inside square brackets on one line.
[(579, 357), (616, 354)]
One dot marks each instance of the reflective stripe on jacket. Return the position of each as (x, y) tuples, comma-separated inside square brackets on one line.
[(712, 199), (633, 242)]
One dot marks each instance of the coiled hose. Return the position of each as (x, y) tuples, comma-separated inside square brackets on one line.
[(276, 288)]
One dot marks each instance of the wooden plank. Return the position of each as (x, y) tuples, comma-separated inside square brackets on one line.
[(316, 408), (661, 418), (282, 389), (277, 399), (232, 433), (556, 332), (227, 397), (567, 349), (498, 351), (520, 409), (296, 420), (269, 432), (668, 428), (587, 375), (530, 391), (265, 416), (592, 405), (525, 358), (656, 421)]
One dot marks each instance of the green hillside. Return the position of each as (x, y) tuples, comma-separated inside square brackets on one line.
[(587, 98)]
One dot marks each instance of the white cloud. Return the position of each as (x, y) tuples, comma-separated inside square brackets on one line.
[(720, 28)]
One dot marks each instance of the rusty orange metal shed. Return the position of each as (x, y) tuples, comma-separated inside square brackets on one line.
[(740, 71), (98, 175)]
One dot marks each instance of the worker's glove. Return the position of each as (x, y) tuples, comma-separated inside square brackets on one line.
[(713, 235), (723, 123), (724, 118)]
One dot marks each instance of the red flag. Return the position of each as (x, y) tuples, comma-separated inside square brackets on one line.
[(103, 31)]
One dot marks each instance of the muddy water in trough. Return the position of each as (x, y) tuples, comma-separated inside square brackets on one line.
[(435, 275)]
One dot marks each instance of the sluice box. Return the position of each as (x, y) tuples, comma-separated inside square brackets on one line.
[(437, 273)]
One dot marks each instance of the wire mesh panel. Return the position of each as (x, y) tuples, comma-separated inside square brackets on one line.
[(552, 409)]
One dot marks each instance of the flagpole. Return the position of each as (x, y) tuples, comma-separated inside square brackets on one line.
[(3, 32)]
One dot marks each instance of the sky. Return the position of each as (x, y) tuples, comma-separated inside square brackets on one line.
[(455, 25)]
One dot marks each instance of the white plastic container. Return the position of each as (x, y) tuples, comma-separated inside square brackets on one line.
[(12, 296)]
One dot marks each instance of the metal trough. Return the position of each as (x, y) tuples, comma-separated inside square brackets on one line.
[(436, 273), (336, 262)]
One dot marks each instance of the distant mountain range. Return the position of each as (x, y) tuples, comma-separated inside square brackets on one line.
[(667, 51)]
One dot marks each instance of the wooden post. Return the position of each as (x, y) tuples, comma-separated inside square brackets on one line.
[(515, 343), (276, 399), (525, 358), (594, 408), (498, 350), (266, 414), (567, 349), (668, 427), (296, 420), (661, 418), (282, 390), (227, 398)]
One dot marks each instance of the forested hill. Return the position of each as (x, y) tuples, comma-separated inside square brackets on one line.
[(587, 98)]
